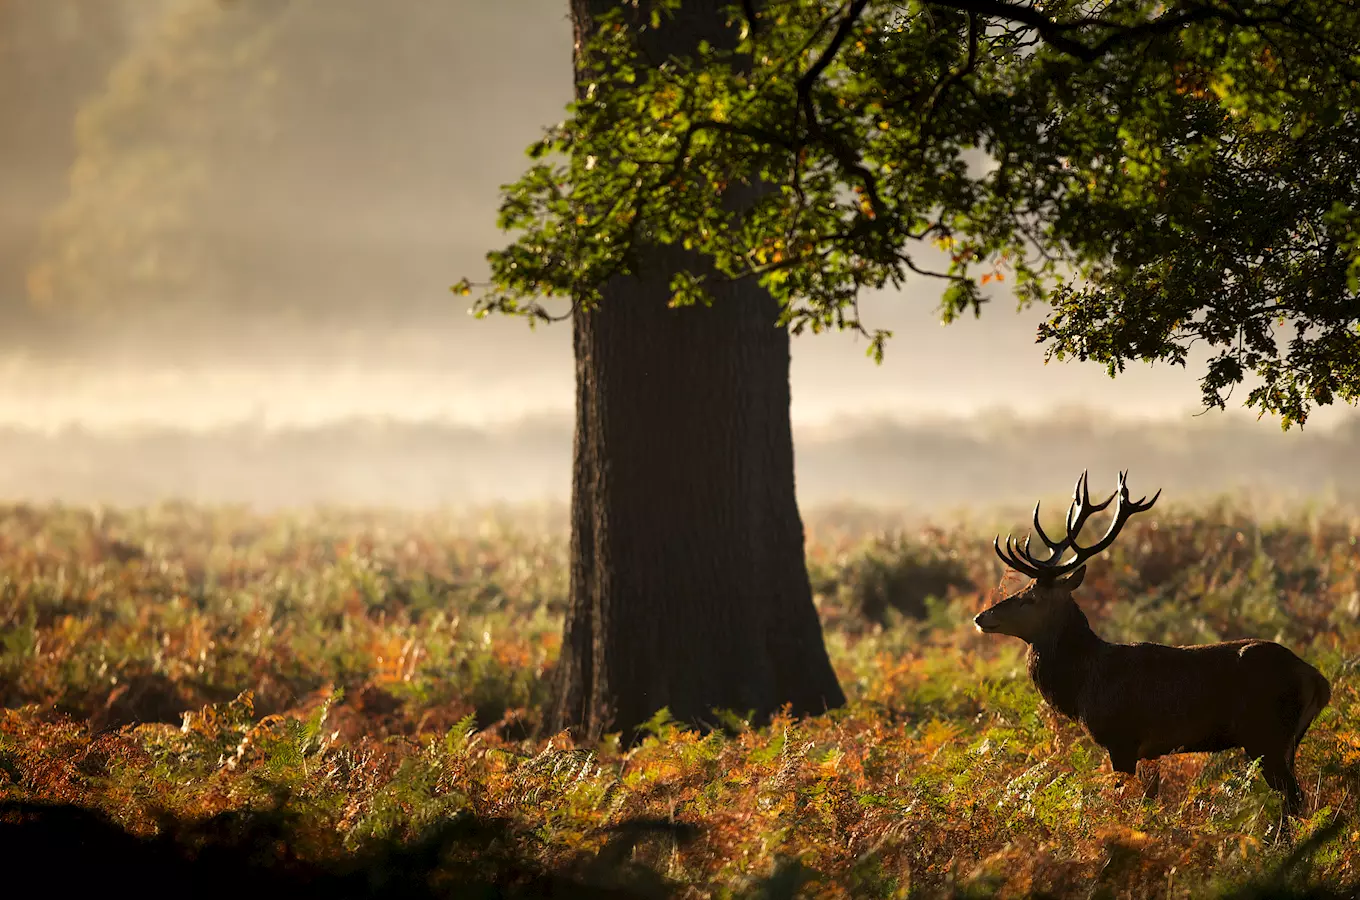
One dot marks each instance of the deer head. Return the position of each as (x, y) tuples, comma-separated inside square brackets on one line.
[(1041, 607)]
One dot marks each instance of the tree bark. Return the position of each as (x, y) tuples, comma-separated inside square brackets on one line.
[(689, 586)]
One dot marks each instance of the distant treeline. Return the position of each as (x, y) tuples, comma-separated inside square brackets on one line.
[(928, 464)]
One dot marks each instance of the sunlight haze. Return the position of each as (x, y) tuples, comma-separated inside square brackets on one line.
[(223, 214)]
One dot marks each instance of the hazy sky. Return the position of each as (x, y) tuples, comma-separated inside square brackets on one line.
[(253, 209)]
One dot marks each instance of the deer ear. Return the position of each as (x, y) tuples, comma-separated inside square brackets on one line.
[(1073, 581)]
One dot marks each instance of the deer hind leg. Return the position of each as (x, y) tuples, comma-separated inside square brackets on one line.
[(1311, 707), (1277, 765), (1316, 696), (1281, 778)]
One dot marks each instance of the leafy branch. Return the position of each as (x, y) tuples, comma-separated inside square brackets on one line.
[(1137, 167)]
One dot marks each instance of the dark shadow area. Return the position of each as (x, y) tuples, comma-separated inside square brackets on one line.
[(74, 851)]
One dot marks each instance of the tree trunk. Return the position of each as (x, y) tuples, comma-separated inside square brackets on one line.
[(689, 585)]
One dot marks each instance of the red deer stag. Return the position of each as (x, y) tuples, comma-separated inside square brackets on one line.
[(1143, 701)]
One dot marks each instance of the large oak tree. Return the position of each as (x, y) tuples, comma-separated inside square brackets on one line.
[(1161, 174)]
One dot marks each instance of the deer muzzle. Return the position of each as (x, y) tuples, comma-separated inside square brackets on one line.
[(985, 622)]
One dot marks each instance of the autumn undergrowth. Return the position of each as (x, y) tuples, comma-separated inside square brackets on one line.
[(356, 685)]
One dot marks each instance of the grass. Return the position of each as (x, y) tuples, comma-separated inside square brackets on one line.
[(360, 683)]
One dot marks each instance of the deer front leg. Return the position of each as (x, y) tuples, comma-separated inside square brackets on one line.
[(1124, 761)]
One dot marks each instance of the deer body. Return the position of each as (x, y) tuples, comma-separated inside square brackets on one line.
[(1143, 701)]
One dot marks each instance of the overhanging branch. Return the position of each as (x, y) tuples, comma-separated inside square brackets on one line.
[(1058, 34)]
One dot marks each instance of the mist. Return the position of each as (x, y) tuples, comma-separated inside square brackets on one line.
[(226, 236), (929, 466)]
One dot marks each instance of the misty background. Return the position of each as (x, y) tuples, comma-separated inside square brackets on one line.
[(227, 230)]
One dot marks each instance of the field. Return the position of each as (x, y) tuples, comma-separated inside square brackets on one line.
[(350, 698)]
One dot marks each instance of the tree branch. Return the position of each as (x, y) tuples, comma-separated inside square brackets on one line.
[(1057, 33), (809, 78), (849, 160), (929, 273), (957, 75)]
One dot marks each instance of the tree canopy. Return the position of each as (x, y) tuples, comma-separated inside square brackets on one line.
[(1160, 173)]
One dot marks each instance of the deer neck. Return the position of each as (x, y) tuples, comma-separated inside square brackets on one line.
[(1060, 663)]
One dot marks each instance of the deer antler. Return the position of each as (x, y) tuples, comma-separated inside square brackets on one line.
[(1018, 557)]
